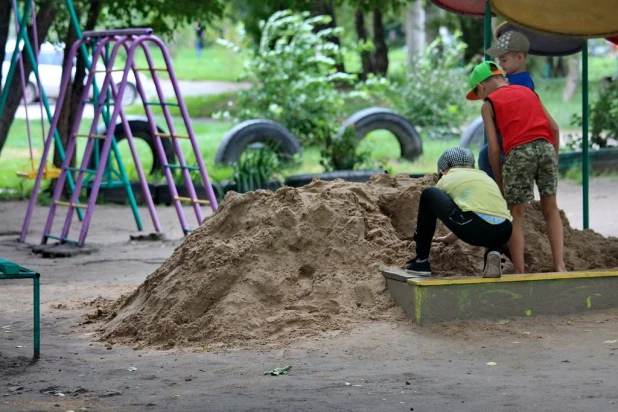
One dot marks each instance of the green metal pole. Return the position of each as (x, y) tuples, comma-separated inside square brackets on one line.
[(487, 45), (21, 35), (487, 36), (35, 70), (106, 118), (585, 148), (37, 317)]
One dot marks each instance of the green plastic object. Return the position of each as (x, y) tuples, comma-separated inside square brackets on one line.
[(8, 268), (279, 371)]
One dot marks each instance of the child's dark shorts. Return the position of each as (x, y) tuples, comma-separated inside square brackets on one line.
[(536, 161)]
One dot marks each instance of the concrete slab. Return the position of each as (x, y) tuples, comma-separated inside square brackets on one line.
[(429, 300)]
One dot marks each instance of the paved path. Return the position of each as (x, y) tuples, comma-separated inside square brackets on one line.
[(187, 88)]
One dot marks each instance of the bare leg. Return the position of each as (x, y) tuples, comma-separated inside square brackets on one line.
[(516, 243), (555, 234)]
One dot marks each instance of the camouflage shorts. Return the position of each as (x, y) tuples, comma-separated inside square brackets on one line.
[(532, 162)]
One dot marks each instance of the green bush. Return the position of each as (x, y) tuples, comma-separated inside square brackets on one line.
[(256, 168), (432, 94), (294, 77), (295, 82), (603, 119)]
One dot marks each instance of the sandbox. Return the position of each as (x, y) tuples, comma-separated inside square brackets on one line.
[(276, 267)]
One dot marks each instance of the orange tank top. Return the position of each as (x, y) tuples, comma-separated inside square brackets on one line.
[(519, 116)]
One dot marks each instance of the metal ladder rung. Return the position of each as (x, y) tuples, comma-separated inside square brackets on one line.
[(79, 169), (66, 239), (169, 135), (67, 204), (91, 136), (109, 71), (92, 102), (182, 167), (161, 104), (154, 69), (188, 199)]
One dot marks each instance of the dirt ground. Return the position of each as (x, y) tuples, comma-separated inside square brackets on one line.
[(541, 364)]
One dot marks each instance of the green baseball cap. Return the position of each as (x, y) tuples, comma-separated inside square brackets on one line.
[(481, 73)]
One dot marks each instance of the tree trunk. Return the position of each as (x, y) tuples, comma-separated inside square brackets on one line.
[(363, 36), (5, 21), (572, 79), (327, 8), (415, 31), (76, 87), (472, 33), (44, 20), (380, 56)]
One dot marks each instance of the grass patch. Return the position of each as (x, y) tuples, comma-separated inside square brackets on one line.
[(197, 106), (216, 63)]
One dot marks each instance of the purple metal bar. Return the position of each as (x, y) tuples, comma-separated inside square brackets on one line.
[(129, 135), (109, 134), (185, 115), (23, 80), (117, 32), (35, 45), (158, 144), (70, 150), (90, 143), (172, 131), (66, 72)]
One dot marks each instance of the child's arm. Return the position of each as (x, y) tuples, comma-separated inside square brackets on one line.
[(447, 240), (555, 130), (492, 142)]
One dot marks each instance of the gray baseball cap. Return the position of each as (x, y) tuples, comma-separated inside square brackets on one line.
[(508, 42), (455, 157)]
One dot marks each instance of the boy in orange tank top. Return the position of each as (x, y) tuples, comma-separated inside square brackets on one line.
[(531, 140)]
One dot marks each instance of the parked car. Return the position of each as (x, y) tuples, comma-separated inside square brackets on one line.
[(50, 71)]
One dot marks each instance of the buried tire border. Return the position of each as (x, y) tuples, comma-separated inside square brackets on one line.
[(378, 118)]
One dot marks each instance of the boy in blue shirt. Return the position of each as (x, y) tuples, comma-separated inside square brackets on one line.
[(511, 50)]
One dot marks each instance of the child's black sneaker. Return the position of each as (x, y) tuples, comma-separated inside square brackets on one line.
[(418, 267)]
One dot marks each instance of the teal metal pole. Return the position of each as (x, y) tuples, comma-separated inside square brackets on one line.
[(37, 317), (487, 33), (585, 144), (106, 118), (35, 70), (21, 35), (487, 45)]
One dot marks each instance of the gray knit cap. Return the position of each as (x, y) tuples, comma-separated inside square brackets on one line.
[(455, 157)]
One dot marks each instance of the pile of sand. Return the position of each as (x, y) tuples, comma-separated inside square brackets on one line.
[(298, 262)]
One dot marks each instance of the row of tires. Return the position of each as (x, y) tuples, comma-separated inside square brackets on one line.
[(252, 132), (257, 132)]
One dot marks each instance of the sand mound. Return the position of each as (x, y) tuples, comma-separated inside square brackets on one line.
[(297, 262)]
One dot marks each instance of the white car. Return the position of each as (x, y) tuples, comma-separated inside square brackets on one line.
[(50, 72)]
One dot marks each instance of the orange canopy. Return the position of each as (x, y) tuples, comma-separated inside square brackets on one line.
[(576, 18)]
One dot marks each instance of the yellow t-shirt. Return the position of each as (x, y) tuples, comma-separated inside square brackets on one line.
[(473, 191)]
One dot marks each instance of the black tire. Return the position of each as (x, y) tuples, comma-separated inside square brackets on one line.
[(130, 95), (474, 135), (261, 131), (141, 130), (347, 175), (30, 93), (377, 118)]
